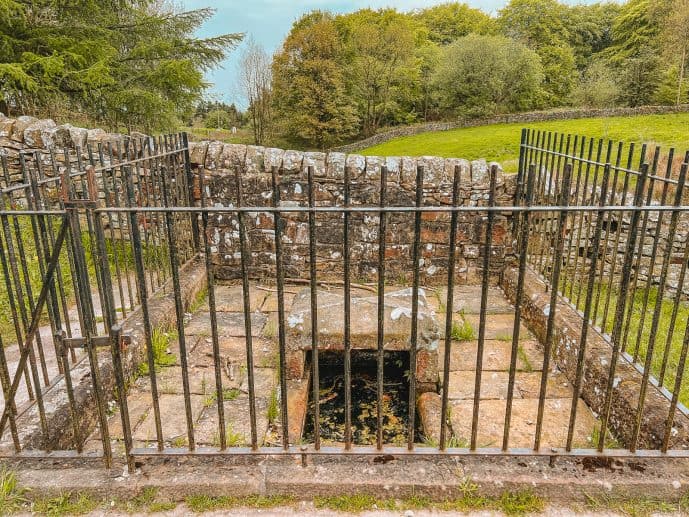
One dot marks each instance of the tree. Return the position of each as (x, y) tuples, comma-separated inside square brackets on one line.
[(123, 63), (255, 79), (380, 48), (590, 29), (482, 75), (676, 44), (309, 93), (449, 21), (540, 25), (597, 87), (668, 93)]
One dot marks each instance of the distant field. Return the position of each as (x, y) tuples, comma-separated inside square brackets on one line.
[(500, 142)]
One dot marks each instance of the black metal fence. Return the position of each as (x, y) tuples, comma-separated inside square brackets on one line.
[(89, 236), (617, 250)]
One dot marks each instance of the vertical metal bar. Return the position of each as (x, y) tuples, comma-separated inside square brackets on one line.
[(523, 230), (5, 380), (555, 281), (190, 185), (382, 230), (315, 374), (449, 305), (416, 258), (245, 257), (521, 172), (143, 299), (581, 353), (609, 218), (620, 308), (613, 267), (179, 313), (594, 184), (74, 414), (639, 255), (84, 292), (117, 349), (659, 303), (346, 253), (280, 279), (210, 282), (484, 306)]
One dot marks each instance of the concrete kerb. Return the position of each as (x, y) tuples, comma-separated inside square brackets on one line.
[(565, 481)]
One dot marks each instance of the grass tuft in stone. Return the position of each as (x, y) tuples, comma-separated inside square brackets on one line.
[(463, 331), (160, 343), (204, 503), (527, 366), (66, 504), (227, 395), (634, 506), (11, 494)]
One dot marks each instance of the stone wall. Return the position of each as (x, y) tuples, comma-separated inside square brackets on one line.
[(513, 118), (222, 161)]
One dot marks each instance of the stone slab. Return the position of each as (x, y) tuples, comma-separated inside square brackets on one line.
[(172, 415), (230, 298), (498, 326), (496, 355), (467, 299), (230, 324), (523, 423), (494, 385)]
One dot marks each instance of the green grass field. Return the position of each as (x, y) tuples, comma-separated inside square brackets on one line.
[(500, 142)]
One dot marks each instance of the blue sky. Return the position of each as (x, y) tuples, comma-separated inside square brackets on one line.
[(269, 21)]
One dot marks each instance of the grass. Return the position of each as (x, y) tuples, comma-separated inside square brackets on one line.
[(462, 331), (639, 319), (636, 506), (232, 438), (160, 342), (510, 503), (11, 494), (227, 394), (66, 504), (500, 142), (204, 503)]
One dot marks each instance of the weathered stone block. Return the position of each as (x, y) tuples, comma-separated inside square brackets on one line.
[(357, 165), (36, 134), (292, 162), (364, 329), (20, 125), (315, 160), (254, 159), (335, 165)]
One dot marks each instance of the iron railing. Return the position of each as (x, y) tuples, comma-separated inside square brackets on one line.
[(142, 226)]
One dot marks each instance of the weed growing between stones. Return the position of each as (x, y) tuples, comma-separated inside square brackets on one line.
[(160, 342), (66, 504), (11, 494), (528, 367), (227, 394), (205, 503), (463, 331), (636, 507), (510, 503), (198, 300)]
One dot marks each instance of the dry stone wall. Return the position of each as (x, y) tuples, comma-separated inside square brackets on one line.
[(224, 163)]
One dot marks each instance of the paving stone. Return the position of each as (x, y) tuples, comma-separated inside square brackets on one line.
[(172, 415), (498, 326), (523, 422), (201, 380), (467, 299), (297, 404), (230, 298), (270, 304), (494, 385), (496, 355), (139, 404), (237, 418), (233, 351), (229, 324)]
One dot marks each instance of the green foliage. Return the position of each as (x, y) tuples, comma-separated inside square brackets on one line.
[(597, 87), (205, 503), (11, 494), (160, 343), (463, 331), (66, 504), (217, 119), (514, 71), (308, 84), (134, 64), (450, 21)]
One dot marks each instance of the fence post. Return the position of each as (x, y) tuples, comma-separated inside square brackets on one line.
[(190, 193)]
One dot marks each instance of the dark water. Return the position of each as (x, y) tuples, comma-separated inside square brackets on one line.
[(364, 398)]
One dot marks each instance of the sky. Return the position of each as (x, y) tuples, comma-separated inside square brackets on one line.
[(269, 21)]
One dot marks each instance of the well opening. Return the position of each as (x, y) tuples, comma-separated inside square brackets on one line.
[(364, 407)]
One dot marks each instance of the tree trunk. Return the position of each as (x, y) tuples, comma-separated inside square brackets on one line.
[(680, 79)]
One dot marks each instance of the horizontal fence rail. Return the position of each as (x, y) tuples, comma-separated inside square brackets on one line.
[(93, 239)]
